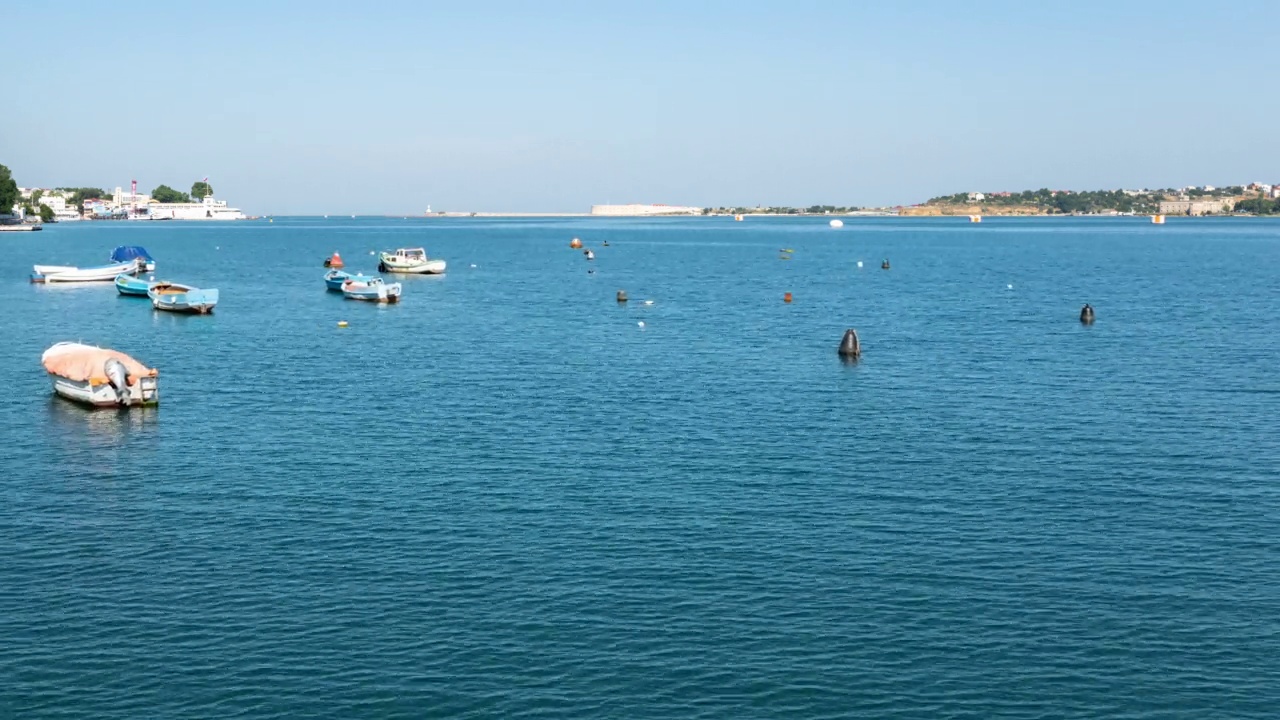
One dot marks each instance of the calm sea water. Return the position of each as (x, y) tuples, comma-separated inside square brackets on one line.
[(506, 498)]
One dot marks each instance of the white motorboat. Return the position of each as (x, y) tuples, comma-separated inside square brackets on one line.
[(101, 273), (99, 376), (409, 260), (372, 289)]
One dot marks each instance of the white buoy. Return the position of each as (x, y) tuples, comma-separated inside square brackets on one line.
[(1010, 287), (836, 223), (648, 302), (641, 323), (859, 263), (473, 264)]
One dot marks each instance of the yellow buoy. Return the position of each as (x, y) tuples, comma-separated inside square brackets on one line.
[(342, 323)]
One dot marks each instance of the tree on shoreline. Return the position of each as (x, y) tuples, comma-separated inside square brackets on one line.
[(8, 191), (46, 213), (166, 194), (201, 188)]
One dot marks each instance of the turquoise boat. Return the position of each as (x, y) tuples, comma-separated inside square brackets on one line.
[(334, 279), (182, 298), (133, 286)]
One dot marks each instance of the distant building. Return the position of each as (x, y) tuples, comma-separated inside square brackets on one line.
[(1209, 188), (1197, 207), (638, 209), (977, 197)]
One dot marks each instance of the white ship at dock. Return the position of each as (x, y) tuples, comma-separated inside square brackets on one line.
[(206, 209), (133, 205)]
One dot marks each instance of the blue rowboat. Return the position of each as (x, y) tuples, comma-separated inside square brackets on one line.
[(182, 298), (334, 279), (134, 286)]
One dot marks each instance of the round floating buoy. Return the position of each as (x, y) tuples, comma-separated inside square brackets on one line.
[(786, 297), (342, 323), (1010, 286), (641, 323), (850, 346), (621, 296), (1086, 314), (859, 263), (836, 223), (589, 255), (575, 243), (885, 265)]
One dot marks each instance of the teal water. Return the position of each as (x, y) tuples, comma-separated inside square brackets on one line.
[(505, 498)]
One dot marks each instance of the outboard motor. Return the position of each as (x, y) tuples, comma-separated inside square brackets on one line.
[(118, 376), (850, 346)]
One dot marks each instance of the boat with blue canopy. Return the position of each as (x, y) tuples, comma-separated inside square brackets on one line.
[(126, 253)]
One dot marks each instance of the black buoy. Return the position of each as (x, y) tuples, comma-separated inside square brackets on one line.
[(622, 296), (885, 265), (1086, 314), (850, 347)]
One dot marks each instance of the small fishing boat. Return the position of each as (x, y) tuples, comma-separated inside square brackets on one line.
[(372, 289), (70, 273), (334, 279), (182, 298), (133, 285), (125, 253), (99, 376), (409, 260)]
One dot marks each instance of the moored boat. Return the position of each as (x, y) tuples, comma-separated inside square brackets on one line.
[(182, 298), (99, 376), (69, 273), (410, 260), (133, 285), (334, 279), (125, 253), (372, 289)]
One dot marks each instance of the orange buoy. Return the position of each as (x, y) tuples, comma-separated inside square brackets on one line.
[(334, 262), (575, 243), (786, 297)]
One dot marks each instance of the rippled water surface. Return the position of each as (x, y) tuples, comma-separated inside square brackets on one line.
[(506, 498)]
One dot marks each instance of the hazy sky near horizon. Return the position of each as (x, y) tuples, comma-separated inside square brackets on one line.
[(386, 107)]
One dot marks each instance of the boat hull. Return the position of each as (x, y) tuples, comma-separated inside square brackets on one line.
[(430, 267), (144, 391), (378, 292), (63, 273), (131, 286), (193, 301)]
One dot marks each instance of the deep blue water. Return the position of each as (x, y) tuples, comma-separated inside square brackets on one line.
[(505, 498)]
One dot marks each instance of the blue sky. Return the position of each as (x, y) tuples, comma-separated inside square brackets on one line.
[(385, 107)]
